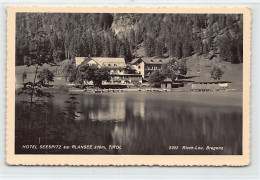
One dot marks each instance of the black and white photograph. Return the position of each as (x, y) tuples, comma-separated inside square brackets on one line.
[(129, 83)]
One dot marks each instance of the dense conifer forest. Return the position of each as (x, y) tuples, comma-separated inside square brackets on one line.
[(67, 35)]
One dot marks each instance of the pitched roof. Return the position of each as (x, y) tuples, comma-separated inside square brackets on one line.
[(79, 60), (151, 60), (135, 60), (103, 61), (167, 80)]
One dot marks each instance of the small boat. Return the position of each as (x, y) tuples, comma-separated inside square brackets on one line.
[(98, 91)]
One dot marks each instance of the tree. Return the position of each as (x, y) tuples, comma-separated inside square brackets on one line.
[(186, 49), (132, 37), (91, 73), (101, 74), (174, 69), (149, 45), (216, 73), (24, 76), (45, 76), (58, 55), (106, 47), (159, 48), (122, 50), (70, 35), (128, 54), (205, 49), (168, 71), (156, 78), (231, 49), (39, 54), (182, 67), (82, 74), (138, 36), (210, 38), (178, 50), (94, 47), (67, 68), (73, 75)]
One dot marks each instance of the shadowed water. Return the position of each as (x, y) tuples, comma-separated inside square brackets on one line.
[(141, 123)]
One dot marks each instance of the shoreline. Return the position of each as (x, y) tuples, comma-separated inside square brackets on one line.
[(148, 90), (198, 99), (66, 88)]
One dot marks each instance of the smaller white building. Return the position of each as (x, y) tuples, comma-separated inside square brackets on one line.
[(146, 65)]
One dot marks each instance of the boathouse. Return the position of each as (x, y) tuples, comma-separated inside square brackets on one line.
[(166, 84), (209, 86)]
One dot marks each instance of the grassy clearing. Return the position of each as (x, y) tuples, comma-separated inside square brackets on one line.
[(58, 79), (232, 72)]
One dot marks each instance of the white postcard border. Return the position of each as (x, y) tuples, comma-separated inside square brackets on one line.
[(125, 160)]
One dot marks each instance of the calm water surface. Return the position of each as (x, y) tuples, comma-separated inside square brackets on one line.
[(139, 122)]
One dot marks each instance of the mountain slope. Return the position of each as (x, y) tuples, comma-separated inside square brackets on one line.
[(67, 35)]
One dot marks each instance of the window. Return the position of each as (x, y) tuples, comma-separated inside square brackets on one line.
[(160, 60), (109, 64), (139, 67), (115, 65), (120, 70), (151, 60)]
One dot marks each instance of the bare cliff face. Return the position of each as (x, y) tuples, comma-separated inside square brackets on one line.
[(123, 24), (182, 35)]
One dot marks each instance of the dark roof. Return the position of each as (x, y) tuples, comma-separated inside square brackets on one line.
[(151, 60)]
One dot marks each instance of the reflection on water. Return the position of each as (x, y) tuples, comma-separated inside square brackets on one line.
[(142, 123), (103, 109)]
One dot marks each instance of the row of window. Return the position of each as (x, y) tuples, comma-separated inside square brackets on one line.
[(126, 77), (124, 82), (115, 70), (151, 68)]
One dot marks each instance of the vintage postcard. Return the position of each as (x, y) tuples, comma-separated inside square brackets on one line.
[(161, 86)]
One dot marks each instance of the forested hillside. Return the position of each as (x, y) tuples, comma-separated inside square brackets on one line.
[(64, 36)]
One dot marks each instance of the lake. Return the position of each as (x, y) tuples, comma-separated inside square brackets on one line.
[(150, 123)]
